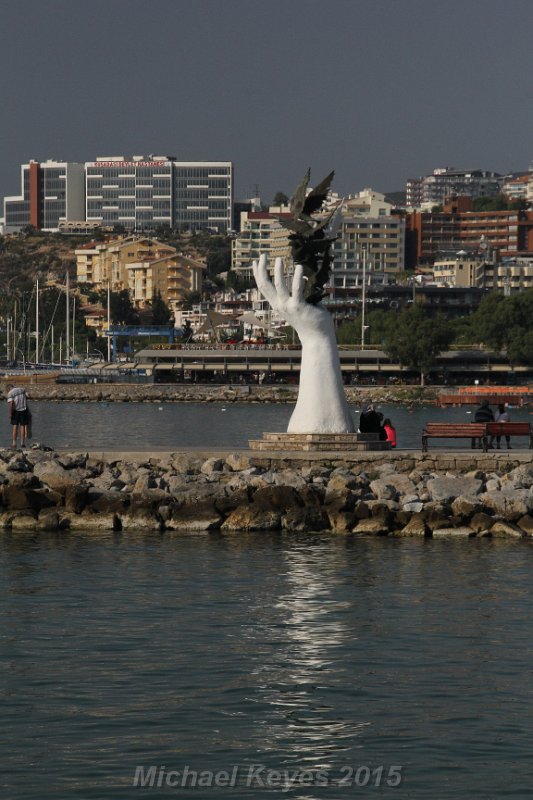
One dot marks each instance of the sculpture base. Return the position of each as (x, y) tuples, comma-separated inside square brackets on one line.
[(318, 442)]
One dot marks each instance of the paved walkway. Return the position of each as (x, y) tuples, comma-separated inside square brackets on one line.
[(439, 458)]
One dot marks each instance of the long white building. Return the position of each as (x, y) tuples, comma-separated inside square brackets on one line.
[(138, 193)]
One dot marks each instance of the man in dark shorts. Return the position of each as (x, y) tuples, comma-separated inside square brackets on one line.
[(19, 413)]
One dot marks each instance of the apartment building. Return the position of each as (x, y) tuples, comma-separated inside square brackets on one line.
[(51, 193), (461, 271), (457, 227), (100, 263), (516, 186), (448, 182), (173, 277), (373, 246), (260, 233), (509, 276), (141, 265)]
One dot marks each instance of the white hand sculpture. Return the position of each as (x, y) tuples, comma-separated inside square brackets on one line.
[(321, 406)]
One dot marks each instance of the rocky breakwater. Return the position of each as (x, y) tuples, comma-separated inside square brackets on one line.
[(206, 393), (45, 491)]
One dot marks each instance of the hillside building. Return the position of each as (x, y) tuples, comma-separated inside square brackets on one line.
[(260, 233), (140, 194), (509, 276), (446, 183), (144, 193), (458, 227), (51, 193), (141, 265)]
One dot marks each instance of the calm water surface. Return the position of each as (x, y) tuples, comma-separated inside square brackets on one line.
[(298, 652), (175, 425)]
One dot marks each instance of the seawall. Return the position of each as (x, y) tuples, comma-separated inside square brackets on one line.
[(446, 494)]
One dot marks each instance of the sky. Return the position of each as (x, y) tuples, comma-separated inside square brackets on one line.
[(378, 90)]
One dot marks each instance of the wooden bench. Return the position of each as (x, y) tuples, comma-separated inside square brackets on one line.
[(511, 429), (455, 430)]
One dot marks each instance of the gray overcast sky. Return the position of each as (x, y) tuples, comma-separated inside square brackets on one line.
[(379, 90)]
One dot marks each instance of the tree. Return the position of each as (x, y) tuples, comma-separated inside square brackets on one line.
[(417, 339), (161, 313), (378, 324), (280, 199), (187, 332), (219, 259), (189, 300), (492, 320), (499, 202), (121, 308)]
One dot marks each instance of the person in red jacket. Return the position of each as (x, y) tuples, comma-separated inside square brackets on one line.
[(390, 430)]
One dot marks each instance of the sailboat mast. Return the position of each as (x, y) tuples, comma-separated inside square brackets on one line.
[(37, 322), (68, 319), (108, 323)]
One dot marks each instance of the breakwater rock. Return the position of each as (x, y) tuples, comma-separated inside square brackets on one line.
[(45, 491), (216, 393)]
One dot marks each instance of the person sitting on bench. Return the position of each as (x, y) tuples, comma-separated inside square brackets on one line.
[(483, 414), (502, 415)]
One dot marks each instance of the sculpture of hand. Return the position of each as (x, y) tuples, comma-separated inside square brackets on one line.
[(321, 406)]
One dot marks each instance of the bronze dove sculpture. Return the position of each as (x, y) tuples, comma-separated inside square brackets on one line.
[(309, 245)]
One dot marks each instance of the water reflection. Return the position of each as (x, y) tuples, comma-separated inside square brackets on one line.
[(294, 651), (300, 679)]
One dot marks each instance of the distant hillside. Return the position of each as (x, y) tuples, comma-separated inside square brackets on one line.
[(24, 258)]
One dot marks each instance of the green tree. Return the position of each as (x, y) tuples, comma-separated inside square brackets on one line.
[(190, 299), (416, 339), (121, 308), (187, 333), (280, 199), (499, 202), (378, 324), (161, 313), (492, 320)]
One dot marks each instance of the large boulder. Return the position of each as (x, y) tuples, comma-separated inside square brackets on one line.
[(506, 530), (277, 498), (253, 518), (305, 519), (454, 533), (105, 502), (237, 462), (339, 520), (448, 488), (52, 474), (20, 498), (509, 504), (375, 526), (415, 527)]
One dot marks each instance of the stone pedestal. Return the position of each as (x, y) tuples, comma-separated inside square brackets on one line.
[(318, 442)]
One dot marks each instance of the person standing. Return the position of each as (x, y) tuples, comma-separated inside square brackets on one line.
[(502, 415), (19, 413), (483, 414)]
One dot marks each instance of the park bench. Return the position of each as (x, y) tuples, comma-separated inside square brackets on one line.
[(455, 430), (511, 429)]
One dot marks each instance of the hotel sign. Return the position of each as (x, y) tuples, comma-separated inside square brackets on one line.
[(128, 163)]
